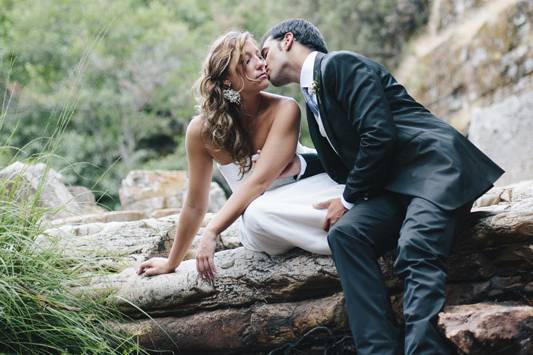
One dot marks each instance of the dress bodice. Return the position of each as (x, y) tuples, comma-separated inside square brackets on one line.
[(232, 176)]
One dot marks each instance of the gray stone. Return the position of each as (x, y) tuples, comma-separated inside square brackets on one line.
[(489, 328), (503, 132), (41, 182)]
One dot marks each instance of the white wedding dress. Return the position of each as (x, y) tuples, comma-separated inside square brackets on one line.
[(284, 217)]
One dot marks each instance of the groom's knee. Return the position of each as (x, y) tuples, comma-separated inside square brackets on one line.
[(345, 235)]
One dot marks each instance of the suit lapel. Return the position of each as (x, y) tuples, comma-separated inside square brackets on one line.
[(317, 77)]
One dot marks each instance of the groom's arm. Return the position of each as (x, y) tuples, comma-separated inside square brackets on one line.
[(358, 88), (310, 166)]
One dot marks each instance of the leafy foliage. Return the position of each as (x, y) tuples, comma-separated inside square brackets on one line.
[(114, 79)]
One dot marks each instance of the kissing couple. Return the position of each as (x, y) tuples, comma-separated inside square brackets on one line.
[(386, 174)]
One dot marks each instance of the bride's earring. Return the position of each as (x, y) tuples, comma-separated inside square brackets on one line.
[(231, 95)]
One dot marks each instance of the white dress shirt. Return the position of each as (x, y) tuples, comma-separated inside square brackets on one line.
[(306, 79)]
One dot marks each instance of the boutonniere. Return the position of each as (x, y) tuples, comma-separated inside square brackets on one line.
[(313, 88)]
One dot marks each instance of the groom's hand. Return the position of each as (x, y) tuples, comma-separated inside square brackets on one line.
[(335, 211)]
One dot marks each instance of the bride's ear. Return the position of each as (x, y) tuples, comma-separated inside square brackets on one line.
[(227, 83)]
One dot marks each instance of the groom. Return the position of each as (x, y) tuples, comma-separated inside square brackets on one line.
[(410, 179)]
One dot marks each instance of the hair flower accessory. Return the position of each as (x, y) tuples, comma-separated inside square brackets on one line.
[(232, 96)]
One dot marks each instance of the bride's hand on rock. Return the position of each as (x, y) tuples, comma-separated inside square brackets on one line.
[(205, 263), (154, 266)]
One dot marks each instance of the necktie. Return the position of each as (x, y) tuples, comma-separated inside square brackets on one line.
[(311, 102), (313, 105)]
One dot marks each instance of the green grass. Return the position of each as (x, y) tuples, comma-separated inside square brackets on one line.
[(38, 312)]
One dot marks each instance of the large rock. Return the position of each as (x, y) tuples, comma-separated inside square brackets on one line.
[(258, 302), (244, 277), (489, 328), (509, 123), (504, 195), (115, 244), (479, 60), (260, 326), (160, 189), (445, 13), (496, 247), (41, 182), (86, 199), (152, 190)]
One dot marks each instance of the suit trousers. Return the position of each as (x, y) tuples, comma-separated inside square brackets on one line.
[(423, 235)]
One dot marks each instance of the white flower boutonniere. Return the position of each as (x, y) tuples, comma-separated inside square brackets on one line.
[(313, 88)]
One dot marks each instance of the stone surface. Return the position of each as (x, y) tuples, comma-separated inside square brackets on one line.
[(493, 251), (491, 262), (509, 123), (259, 326), (102, 217), (38, 179), (86, 199), (116, 244), (445, 13), (151, 190), (244, 277), (480, 60), (489, 328)]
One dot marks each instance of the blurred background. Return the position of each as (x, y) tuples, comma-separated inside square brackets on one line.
[(107, 86)]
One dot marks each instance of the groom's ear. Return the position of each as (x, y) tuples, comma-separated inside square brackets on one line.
[(288, 40)]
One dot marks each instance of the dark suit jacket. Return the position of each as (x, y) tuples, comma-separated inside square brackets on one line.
[(388, 141)]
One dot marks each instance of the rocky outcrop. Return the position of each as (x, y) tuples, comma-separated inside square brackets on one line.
[(39, 182), (115, 245), (489, 328), (257, 301), (151, 190), (261, 326), (508, 122), (473, 67)]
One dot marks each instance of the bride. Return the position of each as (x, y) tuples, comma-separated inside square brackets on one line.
[(236, 120)]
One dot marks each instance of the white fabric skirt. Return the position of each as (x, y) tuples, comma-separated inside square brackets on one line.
[(284, 218)]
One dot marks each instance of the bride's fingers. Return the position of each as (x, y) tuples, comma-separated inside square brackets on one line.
[(142, 267), (212, 265)]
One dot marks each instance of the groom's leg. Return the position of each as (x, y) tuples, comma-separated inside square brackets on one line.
[(363, 234), (426, 239)]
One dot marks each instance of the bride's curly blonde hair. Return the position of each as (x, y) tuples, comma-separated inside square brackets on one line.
[(222, 127)]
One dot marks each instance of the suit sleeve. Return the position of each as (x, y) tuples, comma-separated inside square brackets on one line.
[(314, 166), (359, 90)]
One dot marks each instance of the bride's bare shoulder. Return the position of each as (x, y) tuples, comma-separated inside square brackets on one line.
[(281, 103), (195, 126)]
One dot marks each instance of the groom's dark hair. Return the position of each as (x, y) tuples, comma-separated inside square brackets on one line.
[(303, 31)]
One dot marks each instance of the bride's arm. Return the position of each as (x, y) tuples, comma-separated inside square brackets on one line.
[(194, 207), (277, 152)]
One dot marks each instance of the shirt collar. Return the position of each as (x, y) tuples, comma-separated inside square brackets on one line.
[(306, 75)]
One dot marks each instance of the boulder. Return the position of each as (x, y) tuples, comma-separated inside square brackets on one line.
[(260, 326), (86, 199), (151, 190), (46, 185), (489, 328), (116, 244), (508, 123), (480, 58)]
